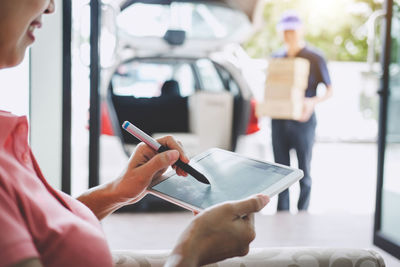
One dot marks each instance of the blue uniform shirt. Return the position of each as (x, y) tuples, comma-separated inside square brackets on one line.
[(318, 68)]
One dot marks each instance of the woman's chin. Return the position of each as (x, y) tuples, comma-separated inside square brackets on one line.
[(14, 59), (11, 62), (13, 54)]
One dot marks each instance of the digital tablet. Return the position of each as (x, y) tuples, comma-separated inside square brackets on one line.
[(232, 177)]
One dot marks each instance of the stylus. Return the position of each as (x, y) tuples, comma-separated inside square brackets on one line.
[(142, 136)]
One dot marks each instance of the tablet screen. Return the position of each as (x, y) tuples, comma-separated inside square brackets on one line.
[(231, 178)]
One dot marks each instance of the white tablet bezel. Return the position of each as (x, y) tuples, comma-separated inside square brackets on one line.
[(271, 191)]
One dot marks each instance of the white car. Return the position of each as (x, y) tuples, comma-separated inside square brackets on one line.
[(178, 68), (195, 46)]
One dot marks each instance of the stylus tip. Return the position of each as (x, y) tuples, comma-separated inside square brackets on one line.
[(201, 178)]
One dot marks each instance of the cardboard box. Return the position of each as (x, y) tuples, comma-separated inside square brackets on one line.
[(294, 65), (280, 109), (287, 80), (281, 92), (288, 72)]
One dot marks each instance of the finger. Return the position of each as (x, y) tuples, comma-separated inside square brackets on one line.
[(159, 162), (145, 150), (170, 142), (252, 228), (250, 219), (248, 228), (305, 118), (174, 144), (180, 143), (142, 154), (252, 204), (181, 172)]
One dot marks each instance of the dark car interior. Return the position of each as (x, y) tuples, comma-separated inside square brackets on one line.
[(167, 113), (167, 110), (163, 114)]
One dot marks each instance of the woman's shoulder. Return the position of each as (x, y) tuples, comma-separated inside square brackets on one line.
[(4, 113), (8, 122), (9, 162)]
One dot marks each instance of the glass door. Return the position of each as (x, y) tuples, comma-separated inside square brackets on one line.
[(387, 217)]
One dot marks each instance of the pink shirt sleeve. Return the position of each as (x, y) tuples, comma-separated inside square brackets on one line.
[(36, 220), (15, 240)]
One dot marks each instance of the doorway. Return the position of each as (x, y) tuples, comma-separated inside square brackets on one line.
[(387, 216)]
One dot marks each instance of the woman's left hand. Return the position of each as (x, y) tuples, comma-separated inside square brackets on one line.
[(146, 164)]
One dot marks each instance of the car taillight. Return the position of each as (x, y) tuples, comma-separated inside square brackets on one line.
[(253, 122), (106, 126)]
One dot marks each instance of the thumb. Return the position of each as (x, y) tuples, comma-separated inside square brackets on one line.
[(159, 162), (252, 204)]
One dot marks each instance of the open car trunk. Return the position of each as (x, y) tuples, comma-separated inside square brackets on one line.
[(207, 26), (248, 7)]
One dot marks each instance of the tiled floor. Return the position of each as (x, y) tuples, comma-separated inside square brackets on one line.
[(344, 175), (340, 214), (146, 231), (341, 210)]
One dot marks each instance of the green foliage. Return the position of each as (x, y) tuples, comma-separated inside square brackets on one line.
[(337, 27)]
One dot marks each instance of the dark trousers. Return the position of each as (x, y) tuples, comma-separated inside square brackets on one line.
[(289, 134)]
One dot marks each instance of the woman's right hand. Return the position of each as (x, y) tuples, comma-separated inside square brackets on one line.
[(221, 232)]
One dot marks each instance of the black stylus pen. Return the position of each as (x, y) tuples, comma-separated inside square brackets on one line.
[(142, 136)]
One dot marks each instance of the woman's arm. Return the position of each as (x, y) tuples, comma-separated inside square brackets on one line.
[(144, 165)]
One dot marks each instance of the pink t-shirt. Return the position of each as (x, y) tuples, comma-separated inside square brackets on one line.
[(37, 220)]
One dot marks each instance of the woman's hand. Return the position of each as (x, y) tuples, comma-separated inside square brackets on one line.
[(218, 233), (144, 165)]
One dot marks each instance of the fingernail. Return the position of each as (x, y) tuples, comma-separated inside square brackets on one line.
[(185, 158), (173, 155), (264, 199)]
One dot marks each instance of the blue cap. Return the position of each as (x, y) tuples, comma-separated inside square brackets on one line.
[(290, 20)]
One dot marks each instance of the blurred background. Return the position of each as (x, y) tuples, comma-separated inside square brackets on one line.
[(174, 67)]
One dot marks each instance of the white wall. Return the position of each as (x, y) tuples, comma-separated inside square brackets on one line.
[(46, 96), (14, 88)]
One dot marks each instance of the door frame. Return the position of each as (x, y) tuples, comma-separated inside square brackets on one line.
[(94, 121), (66, 98), (94, 110), (380, 239)]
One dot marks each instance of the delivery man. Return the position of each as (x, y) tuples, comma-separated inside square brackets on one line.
[(292, 134)]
